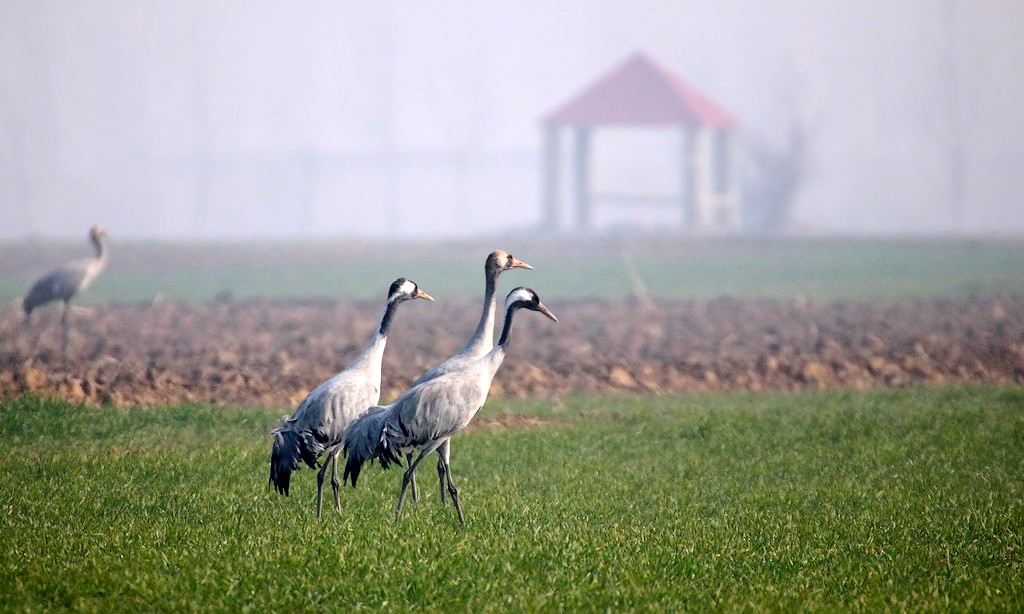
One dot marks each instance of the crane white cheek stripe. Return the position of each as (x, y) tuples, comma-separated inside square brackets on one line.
[(406, 289), (519, 294)]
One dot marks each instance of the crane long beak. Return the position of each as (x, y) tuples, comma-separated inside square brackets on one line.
[(424, 295), (519, 264), (541, 308)]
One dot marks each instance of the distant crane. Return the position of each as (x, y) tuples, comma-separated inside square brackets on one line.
[(320, 421), (479, 344), (427, 415), (65, 282)]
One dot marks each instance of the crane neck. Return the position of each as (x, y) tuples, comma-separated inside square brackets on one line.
[(374, 353), (506, 328), (483, 337), (101, 248), (386, 319)]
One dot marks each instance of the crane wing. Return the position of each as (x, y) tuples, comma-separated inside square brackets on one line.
[(59, 284), (330, 407), (440, 407), (457, 362)]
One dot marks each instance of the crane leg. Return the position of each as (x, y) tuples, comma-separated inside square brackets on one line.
[(454, 492), (334, 479), (415, 493), (407, 477), (443, 456), (64, 328), (320, 484)]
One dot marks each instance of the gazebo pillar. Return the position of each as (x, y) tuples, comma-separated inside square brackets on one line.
[(687, 193), (731, 159), (581, 175), (550, 173), (702, 160)]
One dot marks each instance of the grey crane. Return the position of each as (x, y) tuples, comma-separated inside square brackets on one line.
[(428, 414), (481, 342), (320, 421), (64, 282)]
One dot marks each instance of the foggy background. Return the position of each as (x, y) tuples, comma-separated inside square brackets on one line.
[(195, 119)]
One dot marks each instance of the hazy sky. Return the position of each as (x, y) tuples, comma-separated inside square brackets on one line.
[(205, 118)]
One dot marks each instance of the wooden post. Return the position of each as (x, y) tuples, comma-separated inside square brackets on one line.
[(551, 173), (581, 157)]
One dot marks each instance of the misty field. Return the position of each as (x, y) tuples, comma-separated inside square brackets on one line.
[(908, 499), (670, 267)]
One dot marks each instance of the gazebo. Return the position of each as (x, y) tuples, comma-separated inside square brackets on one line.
[(641, 93)]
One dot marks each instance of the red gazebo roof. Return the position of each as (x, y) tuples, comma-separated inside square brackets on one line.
[(640, 92)]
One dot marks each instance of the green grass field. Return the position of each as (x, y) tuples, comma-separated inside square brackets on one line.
[(869, 500), (671, 267)]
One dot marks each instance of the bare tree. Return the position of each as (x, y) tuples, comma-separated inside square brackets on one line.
[(774, 173), (775, 163)]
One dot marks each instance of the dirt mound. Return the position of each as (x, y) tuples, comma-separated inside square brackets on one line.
[(270, 353)]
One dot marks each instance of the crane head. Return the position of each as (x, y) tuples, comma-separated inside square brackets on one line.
[(499, 261), (525, 298), (406, 289), (97, 231)]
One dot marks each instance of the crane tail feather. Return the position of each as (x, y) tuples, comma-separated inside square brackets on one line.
[(367, 439), (290, 449)]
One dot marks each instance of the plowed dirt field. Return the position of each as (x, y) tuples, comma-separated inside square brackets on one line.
[(270, 352)]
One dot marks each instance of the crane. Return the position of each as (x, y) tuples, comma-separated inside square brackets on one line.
[(66, 281), (428, 414), (321, 418), (479, 343)]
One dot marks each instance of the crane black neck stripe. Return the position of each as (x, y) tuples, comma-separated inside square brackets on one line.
[(506, 328), (389, 315)]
